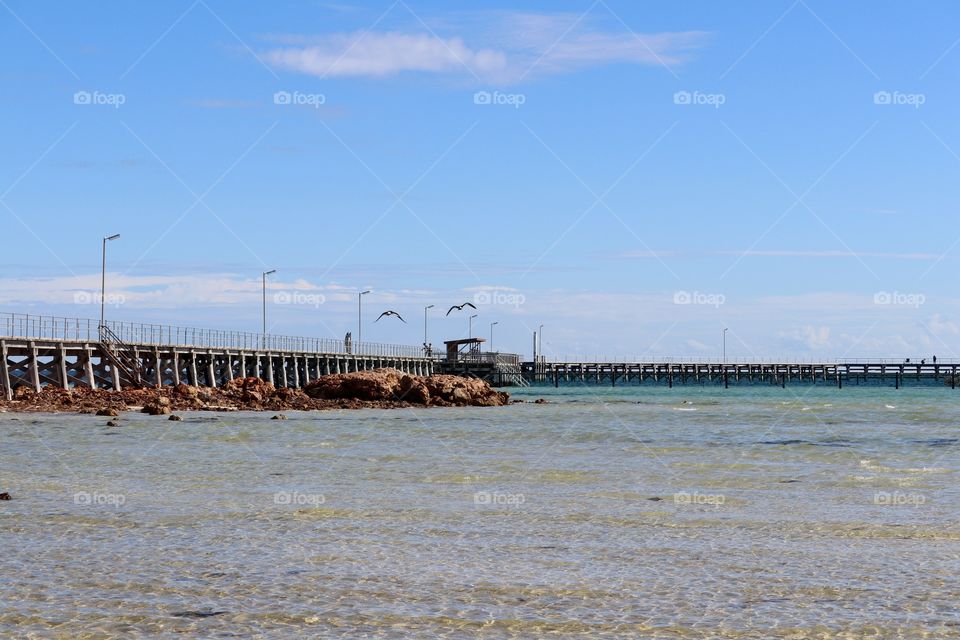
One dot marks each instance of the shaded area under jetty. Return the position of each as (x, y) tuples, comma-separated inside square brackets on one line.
[(378, 388)]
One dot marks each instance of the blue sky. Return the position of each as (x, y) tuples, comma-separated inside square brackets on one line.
[(788, 168)]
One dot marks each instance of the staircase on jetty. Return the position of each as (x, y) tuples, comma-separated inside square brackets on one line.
[(882, 371), (131, 369)]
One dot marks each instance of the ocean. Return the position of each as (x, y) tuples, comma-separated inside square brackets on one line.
[(692, 512)]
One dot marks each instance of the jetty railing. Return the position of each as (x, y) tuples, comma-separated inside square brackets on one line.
[(489, 357), (40, 327), (703, 360)]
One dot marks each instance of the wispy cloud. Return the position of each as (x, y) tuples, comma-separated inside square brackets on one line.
[(504, 48), (782, 253), (815, 339), (385, 54)]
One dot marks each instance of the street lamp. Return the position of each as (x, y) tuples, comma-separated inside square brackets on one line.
[(491, 334), (103, 275), (725, 345), (265, 274), (471, 324), (540, 342), (360, 315), (429, 306)]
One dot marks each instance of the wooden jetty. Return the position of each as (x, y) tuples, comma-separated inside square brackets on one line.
[(893, 372), (37, 351)]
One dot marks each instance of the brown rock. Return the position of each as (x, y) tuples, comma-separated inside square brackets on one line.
[(378, 384), (175, 418), (391, 385), (247, 388), (108, 412), (279, 416), (155, 409), (5, 496), (414, 390), (186, 391), (113, 423), (23, 392)]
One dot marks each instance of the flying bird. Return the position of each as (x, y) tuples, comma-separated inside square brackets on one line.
[(460, 307), (391, 313)]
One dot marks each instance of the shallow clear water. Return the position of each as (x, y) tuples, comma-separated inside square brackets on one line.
[(805, 512)]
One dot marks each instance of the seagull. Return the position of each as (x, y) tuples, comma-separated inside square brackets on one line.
[(390, 313), (460, 307)]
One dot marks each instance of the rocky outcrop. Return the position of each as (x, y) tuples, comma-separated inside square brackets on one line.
[(380, 388), (386, 385)]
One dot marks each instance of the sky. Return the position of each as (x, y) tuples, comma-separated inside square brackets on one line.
[(634, 176)]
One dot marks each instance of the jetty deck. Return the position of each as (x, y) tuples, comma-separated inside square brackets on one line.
[(37, 351), (896, 372)]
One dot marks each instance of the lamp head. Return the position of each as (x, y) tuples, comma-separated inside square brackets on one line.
[(113, 237)]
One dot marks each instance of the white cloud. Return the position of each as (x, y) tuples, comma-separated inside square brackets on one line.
[(507, 47), (938, 326), (815, 339), (386, 54)]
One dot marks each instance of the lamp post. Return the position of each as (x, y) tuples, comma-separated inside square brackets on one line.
[(725, 345), (360, 315), (265, 274), (429, 306), (103, 275), (540, 342), (491, 334), (471, 324)]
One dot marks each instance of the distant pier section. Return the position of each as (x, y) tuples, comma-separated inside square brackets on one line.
[(891, 372)]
